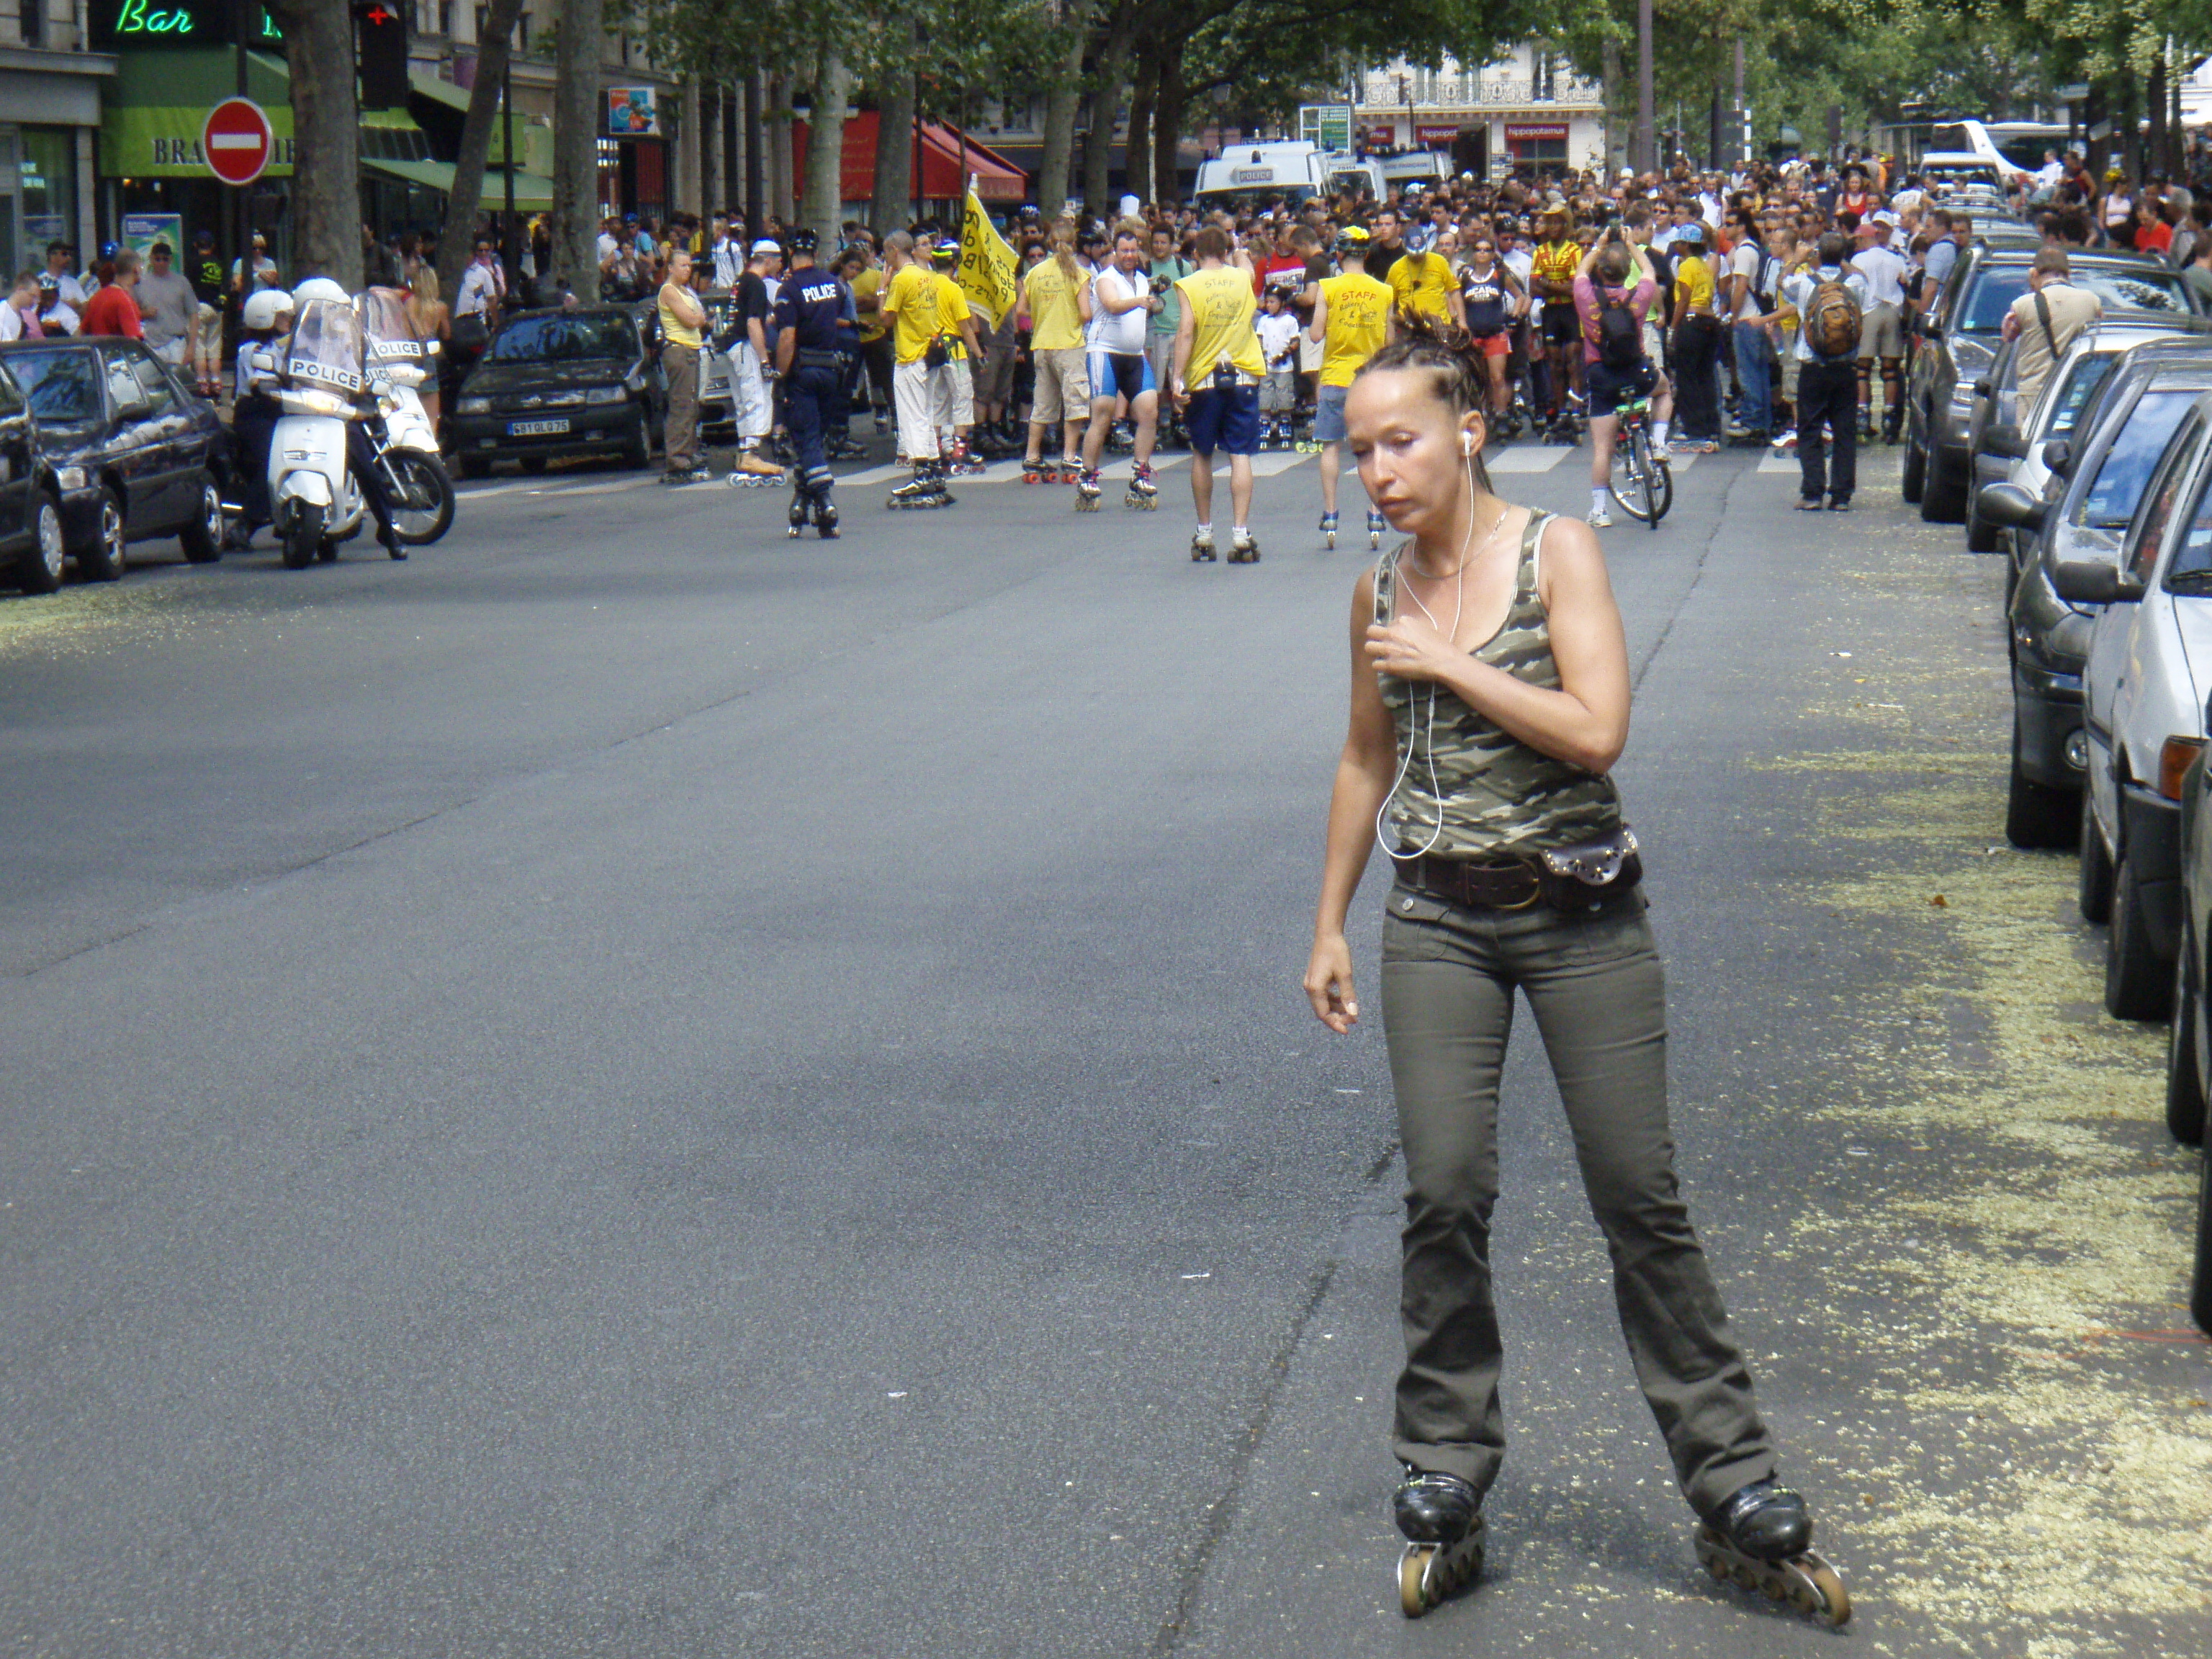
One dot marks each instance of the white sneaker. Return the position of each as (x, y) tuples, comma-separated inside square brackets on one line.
[(1600, 519)]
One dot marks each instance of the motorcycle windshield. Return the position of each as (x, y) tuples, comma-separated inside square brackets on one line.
[(325, 349), (393, 341)]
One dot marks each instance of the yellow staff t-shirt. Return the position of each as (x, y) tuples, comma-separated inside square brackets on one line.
[(1355, 321), (1055, 320), (912, 299), (1221, 307), (1421, 281)]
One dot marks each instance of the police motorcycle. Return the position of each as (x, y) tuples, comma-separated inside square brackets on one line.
[(400, 435), (320, 377)]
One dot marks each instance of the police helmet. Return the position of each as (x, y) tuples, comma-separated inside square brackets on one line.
[(320, 288), (264, 305), (803, 240)]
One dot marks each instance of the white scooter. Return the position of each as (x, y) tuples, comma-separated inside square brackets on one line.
[(400, 362), (320, 375)]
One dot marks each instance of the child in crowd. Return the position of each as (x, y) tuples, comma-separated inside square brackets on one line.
[(1277, 328)]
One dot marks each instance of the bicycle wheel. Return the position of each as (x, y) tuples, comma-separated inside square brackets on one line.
[(1631, 482), (1662, 476)]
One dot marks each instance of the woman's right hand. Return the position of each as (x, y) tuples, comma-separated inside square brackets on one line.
[(1328, 984)]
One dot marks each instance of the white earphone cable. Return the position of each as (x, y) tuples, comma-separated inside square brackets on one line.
[(1429, 736)]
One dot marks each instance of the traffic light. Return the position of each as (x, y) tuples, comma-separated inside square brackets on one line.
[(380, 34)]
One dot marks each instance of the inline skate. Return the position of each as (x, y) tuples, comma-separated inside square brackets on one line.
[(1441, 1517), (825, 517), (1377, 524), (1761, 1540), (1202, 547), (1329, 530), (795, 520), (1243, 549), (925, 489), (1144, 494), (1087, 491)]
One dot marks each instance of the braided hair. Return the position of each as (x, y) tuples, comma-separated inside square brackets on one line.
[(1453, 358)]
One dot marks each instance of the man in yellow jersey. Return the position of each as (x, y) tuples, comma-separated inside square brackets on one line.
[(1350, 320), (1552, 280), (1054, 305), (1426, 283), (910, 309), (867, 285), (1217, 369), (953, 386)]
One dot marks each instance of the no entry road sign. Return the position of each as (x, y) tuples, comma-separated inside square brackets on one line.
[(236, 141)]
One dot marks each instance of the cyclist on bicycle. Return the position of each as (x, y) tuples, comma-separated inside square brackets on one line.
[(1616, 369)]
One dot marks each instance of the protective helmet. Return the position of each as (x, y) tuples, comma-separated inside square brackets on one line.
[(803, 240), (264, 305), (320, 288), (1353, 239)]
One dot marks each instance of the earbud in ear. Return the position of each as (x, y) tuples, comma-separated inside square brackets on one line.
[(1466, 443)]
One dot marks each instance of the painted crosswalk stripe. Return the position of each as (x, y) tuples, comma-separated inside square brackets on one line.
[(1541, 459)]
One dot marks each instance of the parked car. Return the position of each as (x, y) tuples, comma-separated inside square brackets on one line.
[(2084, 490), (2188, 1042), (136, 452), (2150, 649), (2004, 440), (32, 551), (555, 383), (1958, 345)]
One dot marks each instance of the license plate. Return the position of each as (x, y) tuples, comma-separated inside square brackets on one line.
[(534, 428)]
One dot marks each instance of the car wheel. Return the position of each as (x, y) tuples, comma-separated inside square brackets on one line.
[(2184, 1082), (638, 454), (1942, 497), (2036, 815), (2137, 984), (1981, 537), (202, 537), (472, 468), (1916, 472), (2095, 888), (103, 560), (42, 566), (534, 464)]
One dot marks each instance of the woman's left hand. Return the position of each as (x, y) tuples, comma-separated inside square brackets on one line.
[(1410, 649)]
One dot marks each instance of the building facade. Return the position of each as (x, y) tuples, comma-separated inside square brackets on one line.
[(50, 91), (1528, 109)]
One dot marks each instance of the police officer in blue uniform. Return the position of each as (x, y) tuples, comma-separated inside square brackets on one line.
[(808, 314)]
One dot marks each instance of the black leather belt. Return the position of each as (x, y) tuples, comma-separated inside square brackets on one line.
[(1476, 883)]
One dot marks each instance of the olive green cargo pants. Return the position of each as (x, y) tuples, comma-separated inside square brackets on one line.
[(1593, 982)]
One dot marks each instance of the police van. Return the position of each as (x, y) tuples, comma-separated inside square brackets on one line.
[(1290, 172)]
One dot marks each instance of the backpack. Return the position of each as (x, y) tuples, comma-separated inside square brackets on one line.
[(1620, 336), (1831, 321)]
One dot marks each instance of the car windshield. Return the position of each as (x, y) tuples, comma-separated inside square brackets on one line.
[(2072, 394), (1982, 311), (2110, 500), (564, 339), (61, 385)]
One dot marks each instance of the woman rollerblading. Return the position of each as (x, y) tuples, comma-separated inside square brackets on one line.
[(1490, 700)]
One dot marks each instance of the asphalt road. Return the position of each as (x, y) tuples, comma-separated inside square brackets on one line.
[(631, 1087)]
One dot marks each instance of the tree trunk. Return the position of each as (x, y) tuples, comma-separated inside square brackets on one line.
[(756, 160), (1060, 108), (823, 209), (1609, 77), (459, 233), (2154, 102), (779, 149), (690, 159), (575, 228), (713, 195), (1143, 94), (892, 199), (1167, 123), (1646, 144), (1107, 79), (326, 140)]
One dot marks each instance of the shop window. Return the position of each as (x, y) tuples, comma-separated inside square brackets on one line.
[(47, 177), (1543, 79), (30, 14)]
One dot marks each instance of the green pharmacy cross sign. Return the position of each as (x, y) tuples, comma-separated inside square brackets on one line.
[(123, 25)]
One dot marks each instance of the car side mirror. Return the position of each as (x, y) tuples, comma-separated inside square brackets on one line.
[(2008, 443), (1982, 388), (2092, 581), (2058, 455), (2009, 504)]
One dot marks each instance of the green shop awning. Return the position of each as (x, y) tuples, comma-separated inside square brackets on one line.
[(532, 194), (152, 114)]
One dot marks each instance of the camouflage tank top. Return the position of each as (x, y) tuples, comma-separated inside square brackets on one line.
[(1496, 796)]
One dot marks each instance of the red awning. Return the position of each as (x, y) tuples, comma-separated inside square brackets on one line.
[(997, 180)]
